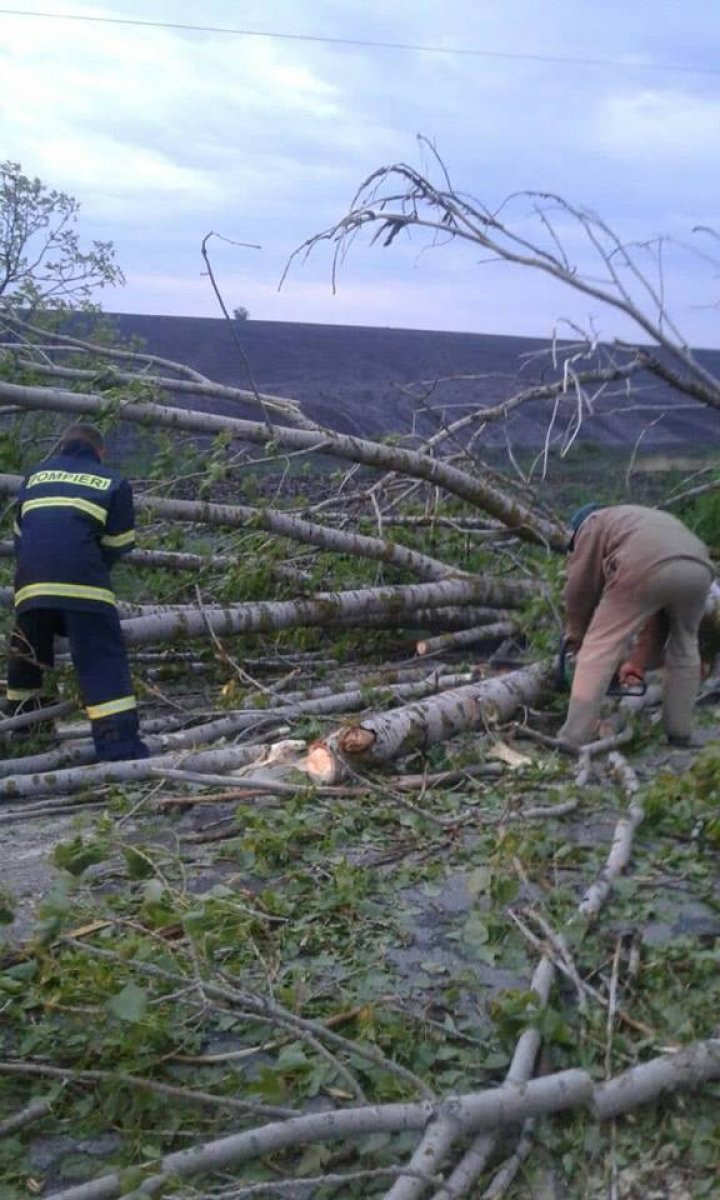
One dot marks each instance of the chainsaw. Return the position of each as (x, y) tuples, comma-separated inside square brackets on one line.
[(615, 687)]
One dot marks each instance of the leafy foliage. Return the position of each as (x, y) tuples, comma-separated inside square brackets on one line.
[(42, 263)]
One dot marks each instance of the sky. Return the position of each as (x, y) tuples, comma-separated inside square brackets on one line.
[(260, 127)]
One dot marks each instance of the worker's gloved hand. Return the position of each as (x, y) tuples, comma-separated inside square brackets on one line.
[(630, 675)]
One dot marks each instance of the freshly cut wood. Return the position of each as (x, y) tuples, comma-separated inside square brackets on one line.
[(72, 760), (458, 638), (389, 735)]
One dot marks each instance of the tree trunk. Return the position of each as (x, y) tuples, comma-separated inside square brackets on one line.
[(267, 616), (523, 521), (242, 516), (76, 779), (175, 560), (390, 735), (289, 410)]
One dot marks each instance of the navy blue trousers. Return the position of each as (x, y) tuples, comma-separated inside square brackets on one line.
[(99, 656)]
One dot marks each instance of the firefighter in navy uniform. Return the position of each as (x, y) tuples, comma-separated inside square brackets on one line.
[(74, 519)]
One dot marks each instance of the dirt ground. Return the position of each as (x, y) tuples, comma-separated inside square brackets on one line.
[(435, 916)]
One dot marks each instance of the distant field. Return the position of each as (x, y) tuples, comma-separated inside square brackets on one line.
[(375, 381)]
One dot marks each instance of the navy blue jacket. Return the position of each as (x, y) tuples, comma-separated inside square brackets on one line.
[(74, 519)]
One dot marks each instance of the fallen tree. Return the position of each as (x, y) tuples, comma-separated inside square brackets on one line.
[(472, 488), (389, 735), (268, 615), (498, 1108), (312, 867)]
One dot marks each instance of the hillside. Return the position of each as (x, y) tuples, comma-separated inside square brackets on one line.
[(371, 381)]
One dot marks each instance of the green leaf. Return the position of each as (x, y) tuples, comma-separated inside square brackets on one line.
[(138, 865), (129, 1004), (7, 909), (77, 856), (153, 892), (291, 1057), (475, 930), (478, 880)]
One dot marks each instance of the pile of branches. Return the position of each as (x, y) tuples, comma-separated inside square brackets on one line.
[(486, 592)]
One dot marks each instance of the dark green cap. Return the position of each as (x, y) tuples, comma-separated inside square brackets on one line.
[(581, 515)]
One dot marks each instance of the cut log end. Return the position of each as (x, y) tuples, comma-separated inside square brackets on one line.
[(323, 766), (356, 740)]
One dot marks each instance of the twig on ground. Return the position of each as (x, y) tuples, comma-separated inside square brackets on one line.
[(25, 1116), (493, 1109), (140, 1083)]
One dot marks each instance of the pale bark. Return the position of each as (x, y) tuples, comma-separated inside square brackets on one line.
[(494, 1109), (50, 713), (648, 1082), (25, 1116), (517, 517), (385, 736), (72, 768), (62, 782), (458, 638), (281, 524), (522, 1065), (444, 617), (289, 410), (272, 615), (458, 620), (477, 1156), (621, 847)]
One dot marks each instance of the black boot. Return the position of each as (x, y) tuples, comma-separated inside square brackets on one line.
[(117, 738)]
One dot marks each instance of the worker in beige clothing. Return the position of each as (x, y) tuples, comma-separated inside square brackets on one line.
[(626, 564)]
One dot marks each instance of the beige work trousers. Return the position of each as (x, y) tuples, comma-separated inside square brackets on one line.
[(679, 588)]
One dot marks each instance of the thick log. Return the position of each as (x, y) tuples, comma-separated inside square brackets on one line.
[(473, 488), (271, 615), (385, 736), (454, 618), (67, 763), (444, 617)]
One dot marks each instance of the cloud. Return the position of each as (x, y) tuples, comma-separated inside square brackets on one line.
[(657, 127), (142, 111), (163, 135)]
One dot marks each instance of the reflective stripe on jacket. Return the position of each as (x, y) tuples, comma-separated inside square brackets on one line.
[(74, 518)]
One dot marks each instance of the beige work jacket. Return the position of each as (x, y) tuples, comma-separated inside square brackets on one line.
[(622, 545)]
